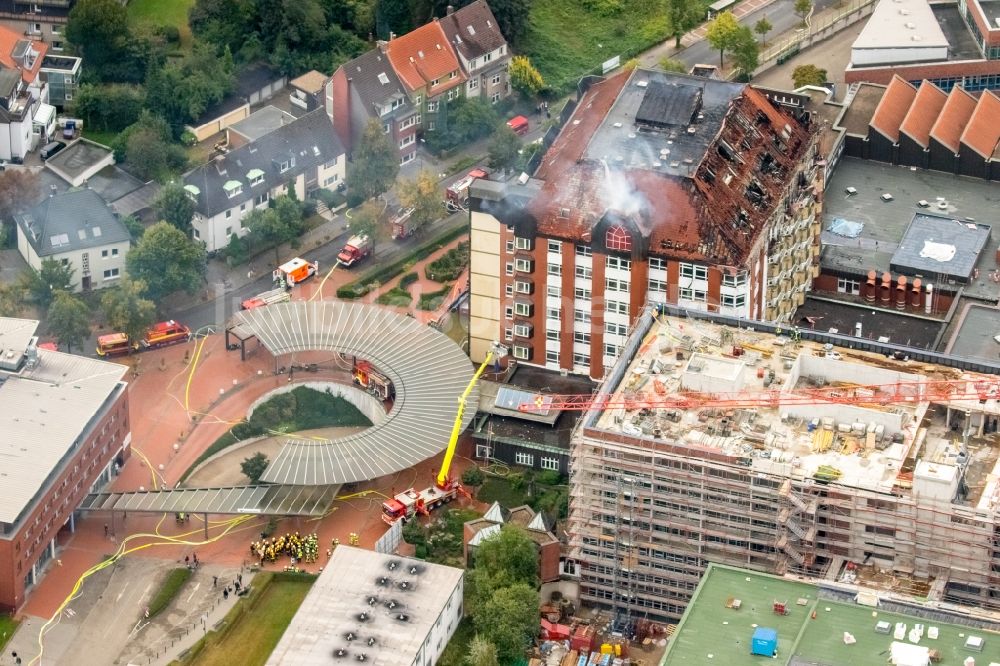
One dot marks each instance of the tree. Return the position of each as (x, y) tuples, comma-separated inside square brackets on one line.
[(762, 27), (472, 119), (481, 653), (722, 34), (69, 320), (423, 196), (254, 466), (181, 91), (134, 226), (166, 260), (174, 205), (808, 75), (524, 77), (683, 15), (99, 30), (145, 147), (276, 225), (11, 299), (127, 310), (473, 477), (509, 557), (18, 190), (802, 9), (392, 16), (110, 107), (509, 620), (375, 163), (504, 150), (512, 17), (673, 65), (369, 220), (745, 51), (43, 283)]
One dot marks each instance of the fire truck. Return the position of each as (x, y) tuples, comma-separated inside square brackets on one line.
[(403, 224), (408, 503), (367, 377), (278, 295), (165, 333), (356, 249), (114, 344), (294, 271), (457, 195)]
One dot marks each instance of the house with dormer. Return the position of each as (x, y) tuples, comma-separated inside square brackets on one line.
[(429, 70), (481, 48), (80, 230), (367, 88), (303, 155), (26, 118)]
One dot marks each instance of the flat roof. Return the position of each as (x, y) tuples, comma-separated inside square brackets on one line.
[(44, 412), (15, 335), (841, 317), (974, 338), (428, 371), (713, 630), (858, 115), (885, 223), (262, 121), (901, 24), (940, 246), (356, 582), (78, 157), (961, 44)]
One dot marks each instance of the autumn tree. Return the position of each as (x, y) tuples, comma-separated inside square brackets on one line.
[(524, 77), (175, 205), (11, 299), (423, 196), (19, 189), (808, 75), (762, 27), (127, 310), (723, 34), (166, 261), (481, 653), (374, 165), (42, 283), (69, 320), (673, 65), (369, 220)]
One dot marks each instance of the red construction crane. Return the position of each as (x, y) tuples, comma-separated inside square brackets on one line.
[(980, 388)]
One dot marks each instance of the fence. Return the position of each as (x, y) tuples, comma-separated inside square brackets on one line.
[(779, 52)]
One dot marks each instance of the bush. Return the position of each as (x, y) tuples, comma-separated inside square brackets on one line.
[(449, 266), (396, 297), (331, 198), (171, 587), (354, 199), (407, 280), (433, 300), (473, 477)]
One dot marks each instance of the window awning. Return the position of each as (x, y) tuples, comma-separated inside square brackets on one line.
[(253, 174), (232, 185)]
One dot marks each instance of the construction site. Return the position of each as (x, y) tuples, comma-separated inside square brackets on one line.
[(782, 451)]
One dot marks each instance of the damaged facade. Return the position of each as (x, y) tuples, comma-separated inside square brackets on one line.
[(660, 188)]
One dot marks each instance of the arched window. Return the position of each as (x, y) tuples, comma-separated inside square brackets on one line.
[(618, 238)]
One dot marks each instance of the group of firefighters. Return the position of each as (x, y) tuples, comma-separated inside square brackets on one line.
[(300, 549)]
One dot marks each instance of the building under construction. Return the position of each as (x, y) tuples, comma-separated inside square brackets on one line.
[(788, 452)]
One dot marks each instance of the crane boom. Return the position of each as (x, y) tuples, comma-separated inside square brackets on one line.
[(456, 429), (979, 389)]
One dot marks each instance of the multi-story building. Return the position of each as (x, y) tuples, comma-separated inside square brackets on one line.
[(367, 88), (43, 20), (303, 154), (65, 426), (429, 71), (660, 188), (62, 75), (80, 230), (807, 453), (482, 50)]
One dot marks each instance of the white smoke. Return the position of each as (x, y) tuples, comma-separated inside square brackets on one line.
[(617, 193)]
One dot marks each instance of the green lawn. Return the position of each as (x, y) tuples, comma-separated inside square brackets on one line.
[(163, 12), (568, 38), (8, 626), (103, 138), (257, 632)]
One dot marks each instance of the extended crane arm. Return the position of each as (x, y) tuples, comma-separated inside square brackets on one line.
[(979, 389), (456, 429)]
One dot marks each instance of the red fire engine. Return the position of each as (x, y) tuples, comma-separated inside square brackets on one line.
[(367, 377)]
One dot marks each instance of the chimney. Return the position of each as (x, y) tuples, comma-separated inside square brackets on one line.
[(449, 10), (392, 36)]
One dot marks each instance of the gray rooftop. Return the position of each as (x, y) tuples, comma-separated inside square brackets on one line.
[(428, 371), (15, 335), (961, 44), (473, 30), (350, 580), (308, 142), (262, 121), (974, 338), (888, 26), (74, 220), (313, 501), (44, 412), (623, 140), (885, 223), (375, 82), (858, 115), (934, 245), (113, 183), (77, 158)]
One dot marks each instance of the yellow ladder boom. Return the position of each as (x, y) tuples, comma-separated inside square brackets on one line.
[(456, 429)]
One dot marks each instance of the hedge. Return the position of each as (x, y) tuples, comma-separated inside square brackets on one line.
[(170, 588), (407, 280), (433, 300)]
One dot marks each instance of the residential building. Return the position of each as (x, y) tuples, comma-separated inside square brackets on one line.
[(307, 90), (430, 72), (481, 48), (863, 464), (26, 119), (536, 526), (80, 230), (62, 75), (56, 449), (661, 188), (842, 621), (374, 607), (367, 88), (25, 55), (262, 121), (949, 44), (42, 20), (304, 155)]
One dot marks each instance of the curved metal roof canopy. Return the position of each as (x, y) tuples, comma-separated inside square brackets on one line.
[(429, 372)]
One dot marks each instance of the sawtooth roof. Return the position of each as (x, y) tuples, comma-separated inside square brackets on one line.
[(425, 55), (954, 115), (982, 133), (892, 109), (473, 30), (923, 112)]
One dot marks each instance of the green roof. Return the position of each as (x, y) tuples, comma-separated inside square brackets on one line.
[(711, 633)]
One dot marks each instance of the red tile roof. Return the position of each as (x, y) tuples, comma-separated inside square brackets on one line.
[(982, 133), (891, 111), (923, 112), (954, 115), (8, 41), (422, 56)]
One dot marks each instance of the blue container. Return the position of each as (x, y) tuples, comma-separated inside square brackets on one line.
[(765, 642)]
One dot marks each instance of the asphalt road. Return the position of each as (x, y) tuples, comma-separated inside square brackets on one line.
[(780, 14)]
